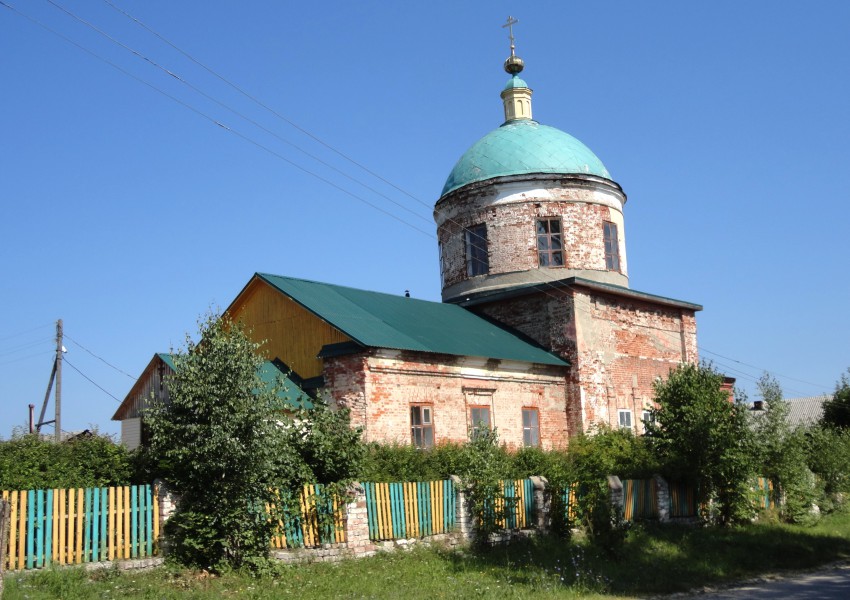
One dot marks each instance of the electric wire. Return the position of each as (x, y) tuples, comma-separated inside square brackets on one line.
[(25, 346), (103, 360), (215, 121), (20, 333), (19, 359), (90, 380), (233, 110), (266, 107)]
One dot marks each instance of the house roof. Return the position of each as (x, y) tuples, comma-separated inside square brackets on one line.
[(806, 411), (290, 393), (378, 320)]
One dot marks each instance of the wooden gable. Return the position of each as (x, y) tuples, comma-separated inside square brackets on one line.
[(290, 332)]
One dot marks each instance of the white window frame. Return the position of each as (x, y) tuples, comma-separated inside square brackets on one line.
[(621, 412)]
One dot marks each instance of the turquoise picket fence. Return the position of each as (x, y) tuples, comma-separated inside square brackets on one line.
[(76, 526), (517, 504), (410, 509)]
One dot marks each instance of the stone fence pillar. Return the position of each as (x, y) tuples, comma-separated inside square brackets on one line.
[(542, 504), (662, 498), (167, 500), (464, 520), (357, 522), (615, 493)]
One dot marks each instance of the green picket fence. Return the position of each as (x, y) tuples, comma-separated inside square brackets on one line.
[(410, 509), (76, 526)]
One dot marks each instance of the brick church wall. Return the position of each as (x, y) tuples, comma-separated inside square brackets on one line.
[(380, 386)]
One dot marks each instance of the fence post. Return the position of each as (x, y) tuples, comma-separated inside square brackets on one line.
[(542, 504), (615, 493), (357, 522), (662, 498), (5, 513), (464, 518)]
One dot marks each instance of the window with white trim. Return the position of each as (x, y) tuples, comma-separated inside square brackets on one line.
[(479, 420), (530, 427), (422, 425), (624, 418)]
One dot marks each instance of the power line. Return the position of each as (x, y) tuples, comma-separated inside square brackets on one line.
[(216, 122), (9, 362), (103, 360), (231, 109), (89, 379), (25, 346), (761, 369), (20, 333)]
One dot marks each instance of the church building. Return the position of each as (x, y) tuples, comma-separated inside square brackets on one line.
[(538, 335)]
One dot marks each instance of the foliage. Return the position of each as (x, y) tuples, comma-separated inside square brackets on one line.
[(781, 455), (485, 469), (836, 410), (702, 438), (30, 462), (403, 462), (226, 447), (828, 452)]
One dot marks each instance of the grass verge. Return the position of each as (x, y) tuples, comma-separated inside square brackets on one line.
[(653, 560)]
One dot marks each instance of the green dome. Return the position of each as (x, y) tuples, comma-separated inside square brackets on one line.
[(515, 82), (523, 147)]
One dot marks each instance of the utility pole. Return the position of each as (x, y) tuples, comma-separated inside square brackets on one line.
[(55, 375), (59, 348)]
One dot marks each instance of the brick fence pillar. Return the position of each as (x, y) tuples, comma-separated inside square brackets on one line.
[(542, 504), (357, 522), (662, 498), (465, 522), (166, 498)]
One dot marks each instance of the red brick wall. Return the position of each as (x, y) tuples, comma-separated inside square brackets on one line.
[(617, 346), (381, 385), (511, 228)]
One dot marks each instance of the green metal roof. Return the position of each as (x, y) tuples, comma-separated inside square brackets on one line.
[(271, 373), (377, 320), (523, 147)]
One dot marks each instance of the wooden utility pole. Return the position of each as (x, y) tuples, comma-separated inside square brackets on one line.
[(59, 348), (55, 375)]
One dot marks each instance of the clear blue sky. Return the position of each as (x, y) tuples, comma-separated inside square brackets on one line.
[(128, 215)]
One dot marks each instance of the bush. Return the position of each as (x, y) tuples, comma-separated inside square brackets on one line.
[(29, 462)]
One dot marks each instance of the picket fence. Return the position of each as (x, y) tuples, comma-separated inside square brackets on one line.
[(75, 526), (321, 520), (640, 499), (410, 509)]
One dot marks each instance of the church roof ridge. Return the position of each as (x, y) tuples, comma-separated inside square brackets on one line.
[(382, 320)]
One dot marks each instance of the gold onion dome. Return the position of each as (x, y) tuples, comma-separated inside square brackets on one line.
[(514, 64)]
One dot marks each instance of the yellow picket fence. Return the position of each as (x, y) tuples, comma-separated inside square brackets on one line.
[(321, 521), (75, 526)]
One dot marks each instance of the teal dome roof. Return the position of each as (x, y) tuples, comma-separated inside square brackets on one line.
[(523, 147), (515, 82)]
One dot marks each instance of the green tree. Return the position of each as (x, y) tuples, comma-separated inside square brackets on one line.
[(836, 410), (781, 454), (236, 459), (702, 438)]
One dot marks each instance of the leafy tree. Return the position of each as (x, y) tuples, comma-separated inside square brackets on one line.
[(836, 411), (781, 453), (702, 438), (230, 452)]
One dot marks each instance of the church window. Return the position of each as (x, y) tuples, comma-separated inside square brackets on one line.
[(477, 261), (612, 246), (625, 418), (421, 426), (550, 243), (530, 427), (479, 420)]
